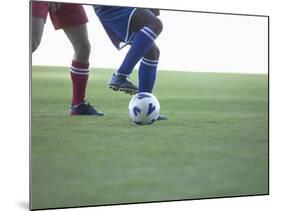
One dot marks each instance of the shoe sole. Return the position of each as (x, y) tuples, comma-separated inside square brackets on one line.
[(78, 114), (72, 113), (126, 90)]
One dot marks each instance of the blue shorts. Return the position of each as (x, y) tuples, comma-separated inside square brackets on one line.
[(117, 19)]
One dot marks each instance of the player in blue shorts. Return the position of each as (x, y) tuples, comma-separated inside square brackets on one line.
[(139, 28)]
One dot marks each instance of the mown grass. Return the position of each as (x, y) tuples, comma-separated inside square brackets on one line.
[(214, 144)]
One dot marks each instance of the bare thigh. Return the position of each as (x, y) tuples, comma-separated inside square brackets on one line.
[(144, 17)]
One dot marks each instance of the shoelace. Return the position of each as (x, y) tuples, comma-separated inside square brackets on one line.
[(128, 80), (91, 107)]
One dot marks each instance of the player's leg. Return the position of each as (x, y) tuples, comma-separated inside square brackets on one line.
[(147, 72), (78, 36), (37, 32), (72, 19), (146, 27), (149, 63), (147, 69), (39, 15), (79, 71)]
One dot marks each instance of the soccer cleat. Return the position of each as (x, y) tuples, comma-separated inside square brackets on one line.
[(120, 82), (84, 108), (161, 117)]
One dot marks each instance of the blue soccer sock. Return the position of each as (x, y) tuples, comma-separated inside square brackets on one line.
[(147, 75), (142, 41)]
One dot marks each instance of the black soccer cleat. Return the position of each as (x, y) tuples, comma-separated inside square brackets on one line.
[(84, 108), (119, 82), (161, 117)]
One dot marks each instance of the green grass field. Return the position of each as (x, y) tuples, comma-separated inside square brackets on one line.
[(215, 143)]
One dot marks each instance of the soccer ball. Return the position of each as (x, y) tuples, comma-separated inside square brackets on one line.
[(144, 108)]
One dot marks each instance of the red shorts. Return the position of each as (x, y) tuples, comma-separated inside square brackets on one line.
[(68, 14)]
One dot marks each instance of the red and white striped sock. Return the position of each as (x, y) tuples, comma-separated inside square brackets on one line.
[(79, 73)]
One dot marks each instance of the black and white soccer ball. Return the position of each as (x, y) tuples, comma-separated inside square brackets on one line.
[(144, 108)]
